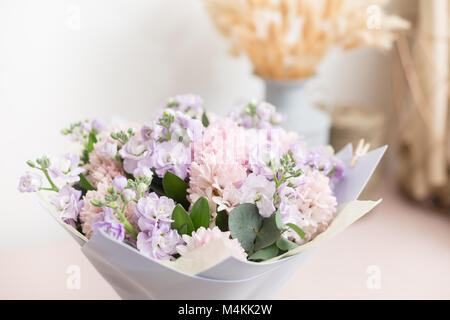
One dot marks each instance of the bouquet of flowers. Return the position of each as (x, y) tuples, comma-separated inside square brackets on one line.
[(192, 205)]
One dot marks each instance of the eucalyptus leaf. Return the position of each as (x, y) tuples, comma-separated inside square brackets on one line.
[(244, 222), (297, 229), (285, 245), (200, 215), (265, 254), (222, 220), (269, 233), (175, 188), (181, 221)]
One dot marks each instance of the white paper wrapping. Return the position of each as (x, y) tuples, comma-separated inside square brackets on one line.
[(222, 276)]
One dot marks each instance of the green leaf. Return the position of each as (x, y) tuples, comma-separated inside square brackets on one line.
[(156, 185), (222, 220), (91, 141), (297, 229), (244, 222), (200, 215), (205, 120), (183, 230), (175, 188), (269, 233), (181, 221), (265, 254), (85, 184), (285, 245)]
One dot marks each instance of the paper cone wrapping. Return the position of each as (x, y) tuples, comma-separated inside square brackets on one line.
[(212, 272)]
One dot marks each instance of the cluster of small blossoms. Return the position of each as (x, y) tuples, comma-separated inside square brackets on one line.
[(166, 144), (115, 218), (156, 239), (261, 115), (63, 170), (117, 184)]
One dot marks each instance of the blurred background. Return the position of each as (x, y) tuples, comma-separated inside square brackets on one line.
[(353, 70)]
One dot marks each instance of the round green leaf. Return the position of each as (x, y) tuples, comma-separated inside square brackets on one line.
[(265, 254), (269, 233), (244, 221), (200, 215)]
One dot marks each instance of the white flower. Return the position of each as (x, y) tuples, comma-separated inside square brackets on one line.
[(203, 236)]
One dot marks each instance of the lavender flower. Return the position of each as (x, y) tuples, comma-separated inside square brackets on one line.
[(153, 209), (176, 126), (119, 183), (98, 125), (257, 115), (264, 159), (129, 195), (288, 196), (159, 242), (157, 239), (66, 167), (68, 204), (108, 150), (319, 160), (106, 222), (142, 171), (171, 156), (258, 190), (186, 129), (190, 104), (30, 182), (135, 149), (147, 131)]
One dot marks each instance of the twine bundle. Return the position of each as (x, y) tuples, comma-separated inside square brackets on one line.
[(287, 39)]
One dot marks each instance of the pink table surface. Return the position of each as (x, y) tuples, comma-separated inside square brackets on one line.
[(410, 246)]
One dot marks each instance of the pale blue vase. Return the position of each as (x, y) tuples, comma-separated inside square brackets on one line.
[(290, 98)]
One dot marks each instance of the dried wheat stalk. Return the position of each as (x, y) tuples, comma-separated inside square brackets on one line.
[(287, 39)]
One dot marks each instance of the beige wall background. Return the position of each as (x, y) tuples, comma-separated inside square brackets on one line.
[(62, 61)]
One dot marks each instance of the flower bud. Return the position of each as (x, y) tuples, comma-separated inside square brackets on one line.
[(142, 187), (128, 195)]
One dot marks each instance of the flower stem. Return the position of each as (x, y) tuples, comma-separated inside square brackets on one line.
[(54, 187), (128, 227)]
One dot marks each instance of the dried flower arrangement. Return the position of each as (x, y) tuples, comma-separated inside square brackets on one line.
[(287, 39)]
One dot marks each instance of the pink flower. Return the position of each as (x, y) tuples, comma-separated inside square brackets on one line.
[(226, 140), (203, 236), (210, 178), (102, 169), (316, 206), (90, 211)]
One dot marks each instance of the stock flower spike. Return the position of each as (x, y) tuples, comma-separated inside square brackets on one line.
[(189, 188)]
